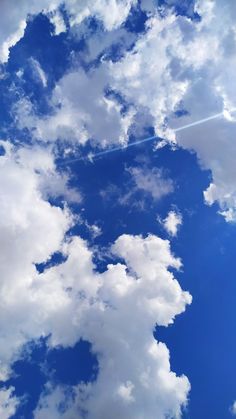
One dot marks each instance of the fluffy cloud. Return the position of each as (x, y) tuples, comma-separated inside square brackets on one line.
[(8, 403), (144, 76), (116, 310), (31, 231), (51, 183), (112, 12), (13, 22), (172, 222), (134, 377), (177, 64), (183, 64), (82, 112)]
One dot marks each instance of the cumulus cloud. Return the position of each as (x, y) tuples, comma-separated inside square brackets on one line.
[(144, 76), (31, 231), (116, 310), (119, 325), (172, 222), (188, 65), (82, 112), (13, 23), (177, 64)]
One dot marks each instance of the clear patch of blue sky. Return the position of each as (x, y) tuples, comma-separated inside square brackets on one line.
[(66, 366)]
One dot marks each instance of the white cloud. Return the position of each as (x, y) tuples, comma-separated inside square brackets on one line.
[(13, 20), (112, 12), (51, 183), (94, 229), (116, 310), (125, 392), (38, 72), (8, 403), (233, 409), (56, 18), (82, 112), (31, 231), (187, 64), (144, 75), (176, 63), (172, 222), (134, 377), (151, 181), (11, 40), (99, 43)]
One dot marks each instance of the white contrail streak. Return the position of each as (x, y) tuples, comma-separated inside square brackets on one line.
[(199, 122), (144, 140)]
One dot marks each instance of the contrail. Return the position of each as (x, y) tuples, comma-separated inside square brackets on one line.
[(145, 140), (199, 122)]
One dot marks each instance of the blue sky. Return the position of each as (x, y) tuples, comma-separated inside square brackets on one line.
[(117, 263)]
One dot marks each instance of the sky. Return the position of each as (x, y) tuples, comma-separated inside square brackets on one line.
[(117, 209)]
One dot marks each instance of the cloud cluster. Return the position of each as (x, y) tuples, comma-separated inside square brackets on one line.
[(188, 65), (13, 19), (177, 64), (82, 112), (116, 310), (134, 378)]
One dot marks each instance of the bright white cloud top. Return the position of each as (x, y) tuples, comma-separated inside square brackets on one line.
[(172, 222)]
